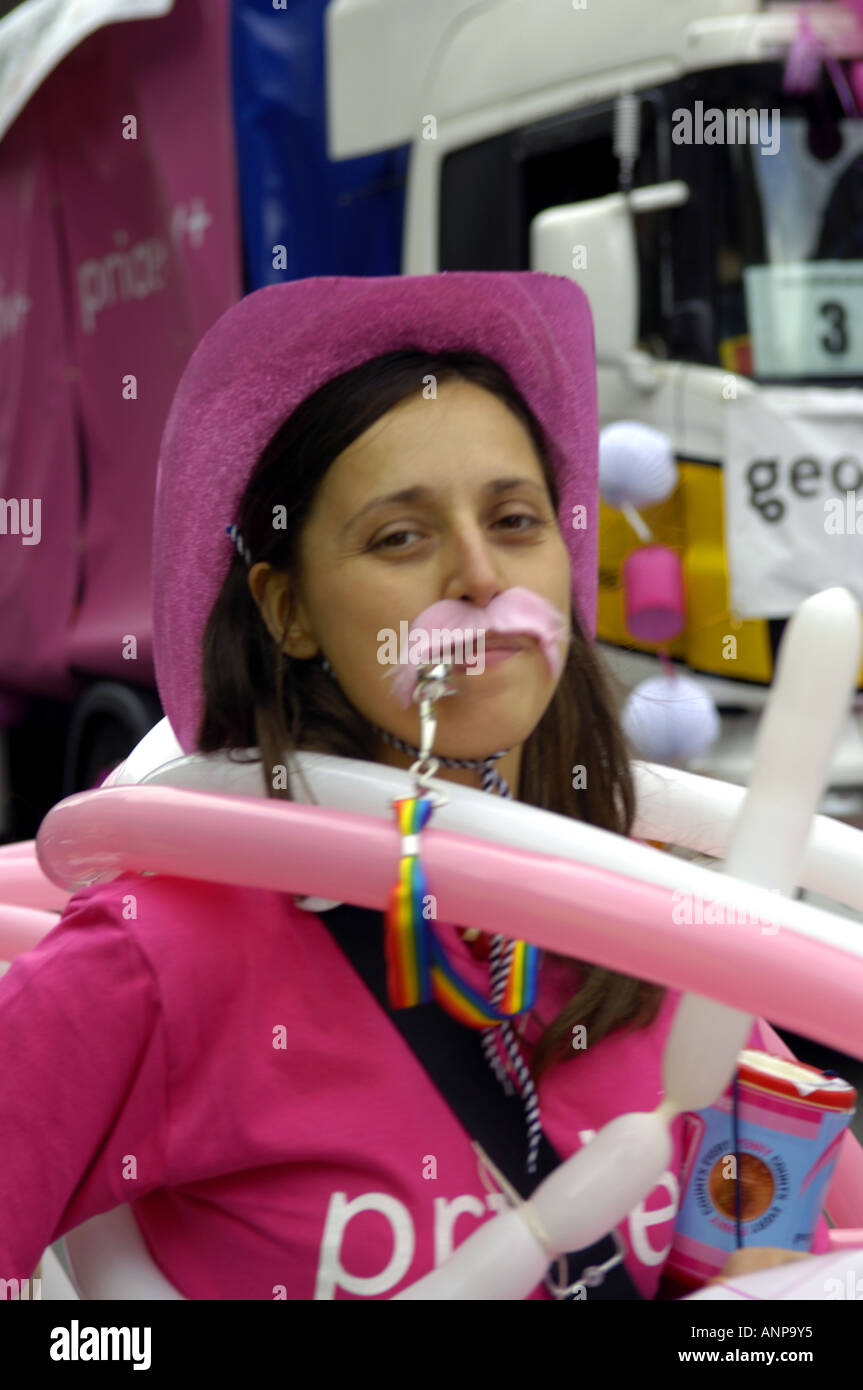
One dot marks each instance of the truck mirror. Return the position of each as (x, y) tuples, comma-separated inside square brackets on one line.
[(594, 244)]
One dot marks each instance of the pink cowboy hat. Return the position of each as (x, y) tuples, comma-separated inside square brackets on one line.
[(271, 350)]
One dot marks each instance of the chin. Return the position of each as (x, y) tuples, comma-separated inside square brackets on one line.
[(484, 732), (495, 710)]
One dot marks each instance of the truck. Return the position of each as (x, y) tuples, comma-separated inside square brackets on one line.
[(697, 165), (700, 174)]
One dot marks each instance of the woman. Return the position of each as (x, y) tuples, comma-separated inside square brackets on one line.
[(208, 1054)]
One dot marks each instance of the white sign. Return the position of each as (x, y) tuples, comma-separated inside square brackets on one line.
[(793, 485), (806, 319)]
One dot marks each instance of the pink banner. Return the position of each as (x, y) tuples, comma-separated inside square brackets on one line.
[(40, 482), (125, 237)]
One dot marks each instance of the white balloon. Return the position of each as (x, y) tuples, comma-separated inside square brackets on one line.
[(502, 1260), (591, 1192), (813, 687), (673, 806), (636, 464), (585, 1197), (817, 669), (698, 813), (370, 788), (670, 717), (704, 1041)]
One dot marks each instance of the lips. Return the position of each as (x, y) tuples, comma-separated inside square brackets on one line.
[(508, 624), (507, 642), (496, 648)]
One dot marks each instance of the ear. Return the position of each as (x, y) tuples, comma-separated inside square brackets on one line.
[(282, 611)]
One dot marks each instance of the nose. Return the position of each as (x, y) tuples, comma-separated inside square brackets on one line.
[(474, 572)]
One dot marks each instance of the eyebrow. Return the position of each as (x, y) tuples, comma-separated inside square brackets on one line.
[(425, 494)]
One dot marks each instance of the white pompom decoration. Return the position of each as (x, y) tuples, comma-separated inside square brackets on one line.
[(670, 719), (636, 465)]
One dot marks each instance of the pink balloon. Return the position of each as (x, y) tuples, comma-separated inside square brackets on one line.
[(22, 849), (22, 928), (845, 1240), (27, 900), (23, 884), (619, 922), (561, 906)]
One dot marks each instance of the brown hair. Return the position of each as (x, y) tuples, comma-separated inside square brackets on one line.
[(257, 696)]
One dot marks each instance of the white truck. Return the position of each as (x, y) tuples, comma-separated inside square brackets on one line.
[(715, 219)]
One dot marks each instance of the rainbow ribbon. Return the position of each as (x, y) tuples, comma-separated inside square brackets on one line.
[(417, 967)]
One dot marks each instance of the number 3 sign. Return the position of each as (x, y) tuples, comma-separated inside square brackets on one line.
[(806, 318)]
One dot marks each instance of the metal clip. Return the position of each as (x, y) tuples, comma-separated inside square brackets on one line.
[(431, 686)]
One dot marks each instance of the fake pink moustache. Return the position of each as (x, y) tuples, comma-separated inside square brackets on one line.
[(451, 623)]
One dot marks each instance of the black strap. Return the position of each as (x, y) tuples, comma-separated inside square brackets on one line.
[(452, 1055)]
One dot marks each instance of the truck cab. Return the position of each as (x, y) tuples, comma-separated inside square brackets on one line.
[(702, 177)]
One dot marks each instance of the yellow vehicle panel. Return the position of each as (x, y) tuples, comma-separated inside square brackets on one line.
[(690, 522)]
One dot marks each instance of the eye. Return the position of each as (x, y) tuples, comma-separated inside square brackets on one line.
[(508, 522), (390, 542)]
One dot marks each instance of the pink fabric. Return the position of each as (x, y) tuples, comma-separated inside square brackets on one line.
[(38, 447), (279, 345), (149, 278), (140, 1063), (116, 255)]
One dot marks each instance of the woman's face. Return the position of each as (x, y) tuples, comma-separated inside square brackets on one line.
[(439, 499)]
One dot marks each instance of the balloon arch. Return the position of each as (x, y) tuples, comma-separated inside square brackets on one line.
[(503, 866)]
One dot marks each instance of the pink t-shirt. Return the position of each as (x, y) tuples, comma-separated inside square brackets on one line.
[(207, 1055)]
